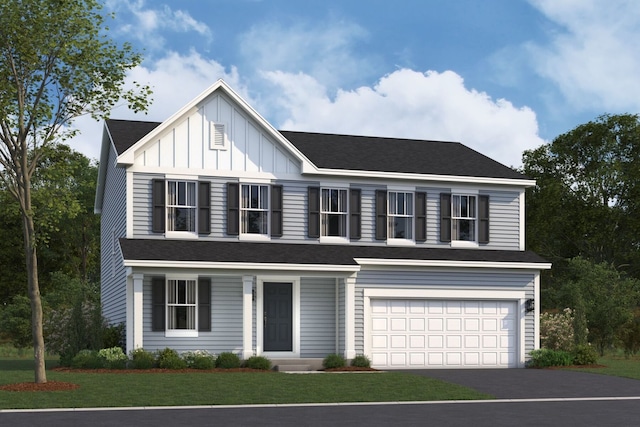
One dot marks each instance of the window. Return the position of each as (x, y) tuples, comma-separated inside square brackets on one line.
[(254, 210), (181, 206), (180, 306), (400, 215), (398, 212), (334, 212), (182, 303), (463, 218)]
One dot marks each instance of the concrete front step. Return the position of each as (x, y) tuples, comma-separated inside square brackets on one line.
[(292, 368), (296, 365)]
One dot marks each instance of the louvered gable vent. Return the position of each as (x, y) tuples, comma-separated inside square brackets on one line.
[(216, 136)]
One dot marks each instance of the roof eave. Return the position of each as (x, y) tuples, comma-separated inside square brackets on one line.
[(511, 265)]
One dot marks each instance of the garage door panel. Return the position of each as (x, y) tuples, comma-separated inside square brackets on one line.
[(439, 333)]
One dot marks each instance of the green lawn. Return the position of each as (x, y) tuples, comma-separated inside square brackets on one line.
[(201, 388), (618, 366)]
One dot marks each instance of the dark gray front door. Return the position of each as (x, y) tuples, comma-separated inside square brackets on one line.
[(278, 318)]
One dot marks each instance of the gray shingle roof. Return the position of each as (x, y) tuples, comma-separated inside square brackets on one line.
[(361, 153), (310, 254), (365, 153)]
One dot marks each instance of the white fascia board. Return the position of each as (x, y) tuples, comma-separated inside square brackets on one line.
[(242, 266), (420, 177), (452, 264), (127, 158)]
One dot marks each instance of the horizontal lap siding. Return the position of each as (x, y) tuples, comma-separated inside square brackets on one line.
[(226, 320), (504, 220), (113, 280), (317, 317), (294, 214), (142, 204), (442, 280)]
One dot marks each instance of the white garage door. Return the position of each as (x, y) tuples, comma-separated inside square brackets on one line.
[(420, 333)]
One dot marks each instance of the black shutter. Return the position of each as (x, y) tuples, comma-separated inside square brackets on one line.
[(421, 216), (313, 217), (157, 202), (157, 303), (445, 217), (355, 213), (233, 209), (204, 207), (483, 219), (276, 211), (204, 304), (381, 214)]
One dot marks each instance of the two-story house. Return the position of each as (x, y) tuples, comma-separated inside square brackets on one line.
[(221, 233)]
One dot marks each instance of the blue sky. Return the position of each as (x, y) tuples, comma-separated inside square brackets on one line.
[(500, 76)]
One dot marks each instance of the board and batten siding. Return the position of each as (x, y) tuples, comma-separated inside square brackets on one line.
[(226, 320), (317, 317), (113, 276), (440, 279), (189, 143)]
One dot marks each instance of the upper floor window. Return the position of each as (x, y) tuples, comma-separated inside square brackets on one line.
[(254, 209), (333, 212), (400, 215), (181, 206), (464, 218)]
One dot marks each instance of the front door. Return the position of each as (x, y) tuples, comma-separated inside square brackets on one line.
[(278, 318)]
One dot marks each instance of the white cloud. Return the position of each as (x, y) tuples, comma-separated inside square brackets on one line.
[(593, 55), (149, 26), (411, 104), (175, 79)]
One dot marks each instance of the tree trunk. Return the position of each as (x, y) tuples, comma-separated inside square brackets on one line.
[(31, 257)]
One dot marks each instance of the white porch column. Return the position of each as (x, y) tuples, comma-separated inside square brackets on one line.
[(350, 317), (129, 312), (137, 311), (247, 316)]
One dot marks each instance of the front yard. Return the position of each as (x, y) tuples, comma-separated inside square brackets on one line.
[(220, 388)]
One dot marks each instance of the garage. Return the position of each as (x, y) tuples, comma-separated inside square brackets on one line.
[(438, 333)]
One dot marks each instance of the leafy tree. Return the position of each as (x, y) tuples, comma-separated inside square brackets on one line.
[(607, 297), (57, 63)]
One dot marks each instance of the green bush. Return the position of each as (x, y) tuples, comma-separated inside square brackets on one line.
[(228, 360), (142, 359), (170, 359), (113, 358), (334, 361), (545, 357), (584, 354), (113, 336), (258, 362), (86, 359), (199, 359), (361, 361)]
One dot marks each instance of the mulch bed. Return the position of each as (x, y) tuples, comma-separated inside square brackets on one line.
[(48, 386)]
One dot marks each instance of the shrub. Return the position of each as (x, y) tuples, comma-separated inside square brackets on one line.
[(258, 362), (546, 357), (334, 361), (228, 360), (113, 358), (113, 336), (361, 361), (170, 359), (199, 359), (629, 337), (142, 359), (86, 359), (557, 330), (584, 354)]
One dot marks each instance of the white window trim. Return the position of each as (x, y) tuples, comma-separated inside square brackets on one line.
[(178, 333), (394, 241), (176, 233), (254, 236), (465, 243), (335, 239)]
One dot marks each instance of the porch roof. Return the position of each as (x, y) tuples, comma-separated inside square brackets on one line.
[(234, 252)]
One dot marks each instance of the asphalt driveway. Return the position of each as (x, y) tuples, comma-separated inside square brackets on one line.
[(536, 383)]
